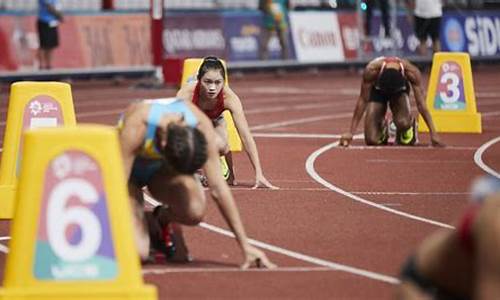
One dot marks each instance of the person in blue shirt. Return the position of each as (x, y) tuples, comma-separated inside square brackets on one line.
[(164, 142), (49, 18)]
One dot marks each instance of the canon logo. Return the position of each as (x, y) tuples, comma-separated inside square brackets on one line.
[(317, 39)]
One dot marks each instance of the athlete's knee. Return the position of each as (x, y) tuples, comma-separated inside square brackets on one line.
[(402, 123), (195, 212)]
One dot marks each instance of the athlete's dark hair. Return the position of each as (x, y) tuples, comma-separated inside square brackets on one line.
[(211, 63), (391, 81), (186, 148)]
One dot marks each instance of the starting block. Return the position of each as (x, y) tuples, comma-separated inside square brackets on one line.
[(450, 97), (31, 104), (71, 235), (189, 73)]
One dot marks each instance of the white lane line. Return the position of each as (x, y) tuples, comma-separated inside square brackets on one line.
[(296, 255), (415, 148), (490, 114), (297, 135), (413, 193), (4, 249), (301, 121), (234, 270), (478, 157), (4, 238), (312, 172), (319, 189), (402, 161)]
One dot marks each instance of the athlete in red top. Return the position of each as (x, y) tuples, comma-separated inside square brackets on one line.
[(212, 97), (462, 263), (387, 81)]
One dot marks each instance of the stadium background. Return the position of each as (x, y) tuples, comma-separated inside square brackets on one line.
[(114, 36)]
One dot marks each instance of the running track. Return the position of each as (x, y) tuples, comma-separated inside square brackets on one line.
[(344, 219)]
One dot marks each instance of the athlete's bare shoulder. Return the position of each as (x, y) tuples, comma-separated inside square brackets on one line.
[(372, 69)]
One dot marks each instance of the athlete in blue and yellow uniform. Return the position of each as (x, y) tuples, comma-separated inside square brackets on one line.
[(387, 82), (275, 18), (164, 142)]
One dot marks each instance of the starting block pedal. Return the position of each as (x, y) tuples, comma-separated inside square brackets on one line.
[(71, 235), (450, 97), (31, 104), (189, 73)]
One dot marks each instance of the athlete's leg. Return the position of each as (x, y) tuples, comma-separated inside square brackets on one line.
[(375, 127), (141, 235), (282, 36), (223, 145), (440, 268), (264, 43), (182, 194), (401, 115)]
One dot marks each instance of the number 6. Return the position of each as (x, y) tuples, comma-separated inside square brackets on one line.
[(59, 217)]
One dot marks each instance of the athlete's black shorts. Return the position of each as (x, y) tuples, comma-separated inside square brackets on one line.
[(48, 36), (410, 273), (427, 27), (377, 95)]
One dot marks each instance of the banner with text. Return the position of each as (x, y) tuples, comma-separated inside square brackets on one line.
[(477, 33), (316, 36)]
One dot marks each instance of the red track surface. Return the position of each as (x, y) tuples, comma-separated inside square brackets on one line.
[(342, 234)]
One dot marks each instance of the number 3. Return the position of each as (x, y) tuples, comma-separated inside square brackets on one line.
[(59, 217), (450, 87)]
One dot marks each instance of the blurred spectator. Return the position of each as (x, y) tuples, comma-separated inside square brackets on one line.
[(49, 17), (384, 9), (275, 20), (427, 21)]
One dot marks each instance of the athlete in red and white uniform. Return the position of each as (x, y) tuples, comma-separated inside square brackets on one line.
[(462, 263), (387, 82), (212, 96)]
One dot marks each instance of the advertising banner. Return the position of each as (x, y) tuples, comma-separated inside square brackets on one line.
[(477, 33), (194, 34), (242, 33), (316, 36), (108, 40)]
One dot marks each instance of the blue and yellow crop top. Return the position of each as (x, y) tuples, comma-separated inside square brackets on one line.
[(159, 108)]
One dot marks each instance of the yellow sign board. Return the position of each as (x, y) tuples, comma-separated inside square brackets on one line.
[(450, 97), (71, 235), (31, 104)]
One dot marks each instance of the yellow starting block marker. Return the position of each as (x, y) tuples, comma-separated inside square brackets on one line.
[(189, 73), (450, 97), (72, 232), (31, 104)]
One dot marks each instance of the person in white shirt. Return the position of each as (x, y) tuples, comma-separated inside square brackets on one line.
[(427, 15)]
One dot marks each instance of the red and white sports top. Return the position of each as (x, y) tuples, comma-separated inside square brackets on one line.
[(215, 112), (391, 59)]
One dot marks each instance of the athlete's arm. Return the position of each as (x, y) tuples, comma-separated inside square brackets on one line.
[(186, 92), (233, 103), (369, 76), (415, 78), (132, 134), (222, 196)]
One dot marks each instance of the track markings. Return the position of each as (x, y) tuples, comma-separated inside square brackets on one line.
[(478, 157), (152, 271), (312, 172), (295, 255)]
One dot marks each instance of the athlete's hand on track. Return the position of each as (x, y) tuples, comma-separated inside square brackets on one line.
[(261, 181), (436, 142), (345, 140), (254, 255)]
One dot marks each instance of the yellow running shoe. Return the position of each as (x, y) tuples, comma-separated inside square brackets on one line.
[(224, 168)]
